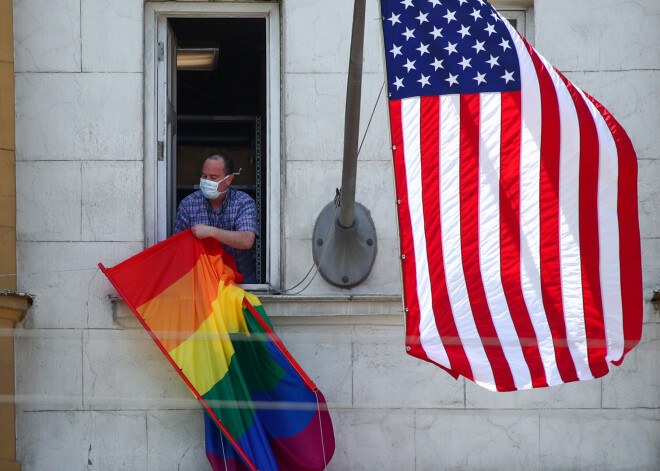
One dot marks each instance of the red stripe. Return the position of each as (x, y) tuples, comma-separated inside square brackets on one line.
[(510, 235), (594, 319), (469, 204), (136, 274), (549, 221), (430, 163), (411, 303), (171, 259), (630, 254)]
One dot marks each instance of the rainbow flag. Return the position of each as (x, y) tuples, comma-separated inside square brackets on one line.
[(262, 411)]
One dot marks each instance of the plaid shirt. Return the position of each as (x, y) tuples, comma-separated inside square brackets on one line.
[(237, 213)]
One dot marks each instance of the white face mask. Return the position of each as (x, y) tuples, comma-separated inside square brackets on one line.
[(210, 189)]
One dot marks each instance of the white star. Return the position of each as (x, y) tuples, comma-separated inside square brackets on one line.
[(394, 19), (478, 47), (435, 3), (465, 63), (490, 29), (451, 15), (476, 14), (410, 65), (480, 78), (450, 48), (422, 18), (423, 49), (396, 50), (463, 1), (452, 79), (437, 32), (508, 76), (505, 44), (410, 33), (407, 3), (437, 63), (481, 2), (495, 16), (424, 80), (493, 61), (464, 31), (398, 83)]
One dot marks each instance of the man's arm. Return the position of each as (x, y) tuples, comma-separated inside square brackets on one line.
[(182, 221), (237, 239)]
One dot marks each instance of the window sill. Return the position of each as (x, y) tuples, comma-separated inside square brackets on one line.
[(301, 310)]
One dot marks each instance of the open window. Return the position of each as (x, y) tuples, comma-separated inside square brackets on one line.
[(216, 83)]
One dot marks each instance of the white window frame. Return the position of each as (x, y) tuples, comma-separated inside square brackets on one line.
[(154, 14), (520, 10)]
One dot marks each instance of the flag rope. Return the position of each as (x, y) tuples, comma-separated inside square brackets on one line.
[(224, 454), (318, 411)]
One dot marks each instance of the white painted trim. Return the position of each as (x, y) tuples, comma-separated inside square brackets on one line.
[(152, 13), (522, 4), (519, 16), (523, 12)]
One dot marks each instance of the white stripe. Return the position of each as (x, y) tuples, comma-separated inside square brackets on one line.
[(608, 235), (489, 237), (450, 216), (530, 224), (429, 337), (569, 226)]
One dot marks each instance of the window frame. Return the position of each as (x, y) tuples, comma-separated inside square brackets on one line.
[(520, 10), (155, 14)]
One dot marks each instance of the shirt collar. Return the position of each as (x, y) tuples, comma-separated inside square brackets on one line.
[(224, 204)]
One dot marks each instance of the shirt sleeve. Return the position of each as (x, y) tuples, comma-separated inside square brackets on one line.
[(246, 220), (182, 221)]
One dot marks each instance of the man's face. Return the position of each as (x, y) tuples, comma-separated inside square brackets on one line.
[(214, 170)]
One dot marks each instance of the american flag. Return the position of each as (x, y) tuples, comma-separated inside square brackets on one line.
[(517, 204)]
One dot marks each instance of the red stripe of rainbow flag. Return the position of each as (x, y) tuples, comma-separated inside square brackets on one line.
[(219, 340)]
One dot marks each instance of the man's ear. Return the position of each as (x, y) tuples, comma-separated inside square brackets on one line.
[(230, 179)]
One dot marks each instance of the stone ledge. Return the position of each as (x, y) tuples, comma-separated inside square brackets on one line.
[(306, 310)]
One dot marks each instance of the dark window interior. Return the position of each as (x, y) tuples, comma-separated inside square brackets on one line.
[(224, 109)]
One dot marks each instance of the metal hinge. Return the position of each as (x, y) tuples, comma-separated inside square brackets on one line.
[(160, 150), (161, 52)]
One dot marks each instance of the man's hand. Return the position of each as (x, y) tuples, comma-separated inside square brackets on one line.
[(202, 231)]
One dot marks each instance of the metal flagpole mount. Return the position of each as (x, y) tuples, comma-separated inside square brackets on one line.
[(344, 255), (344, 241)]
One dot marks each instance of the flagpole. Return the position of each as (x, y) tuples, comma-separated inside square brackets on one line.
[(344, 246), (352, 118)]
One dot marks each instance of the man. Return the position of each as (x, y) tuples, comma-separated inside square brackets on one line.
[(223, 213)]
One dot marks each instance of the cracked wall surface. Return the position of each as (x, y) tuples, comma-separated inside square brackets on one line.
[(95, 394)]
